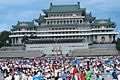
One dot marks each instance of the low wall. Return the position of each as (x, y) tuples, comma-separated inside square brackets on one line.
[(102, 46), (20, 53), (6, 48), (98, 51)]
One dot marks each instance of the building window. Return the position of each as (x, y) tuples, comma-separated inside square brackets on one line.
[(110, 36), (57, 22), (67, 14), (59, 28), (60, 22), (90, 21), (48, 22), (64, 22), (103, 39), (67, 21), (60, 14), (83, 13), (73, 28), (95, 37), (77, 21), (51, 22), (51, 15), (70, 14), (80, 21), (57, 15), (78, 14), (64, 15), (52, 28), (54, 22), (73, 21)]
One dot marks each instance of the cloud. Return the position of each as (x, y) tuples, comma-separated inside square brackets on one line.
[(26, 10), (4, 26)]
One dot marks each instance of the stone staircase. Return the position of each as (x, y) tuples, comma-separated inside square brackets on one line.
[(20, 53), (98, 51)]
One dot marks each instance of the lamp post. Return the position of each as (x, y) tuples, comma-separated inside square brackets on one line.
[(73, 54), (56, 49)]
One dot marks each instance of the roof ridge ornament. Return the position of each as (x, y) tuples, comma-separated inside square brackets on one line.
[(109, 18), (51, 4), (103, 21), (23, 24)]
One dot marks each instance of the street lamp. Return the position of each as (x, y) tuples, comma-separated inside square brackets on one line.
[(73, 54), (56, 49)]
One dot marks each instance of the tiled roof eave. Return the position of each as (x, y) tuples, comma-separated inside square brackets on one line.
[(49, 11), (102, 24), (64, 25), (39, 20), (23, 26), (91, 18)]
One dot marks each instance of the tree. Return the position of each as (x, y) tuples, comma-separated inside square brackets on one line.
[(118, 45), (4, 38), (25, 39)]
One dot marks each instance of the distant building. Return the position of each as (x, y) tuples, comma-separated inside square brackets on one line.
[(63, 28)]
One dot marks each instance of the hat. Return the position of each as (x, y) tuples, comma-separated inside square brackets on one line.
[(15, 72), (118, 73)]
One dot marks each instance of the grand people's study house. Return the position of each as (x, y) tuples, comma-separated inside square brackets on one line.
[(63, 28)]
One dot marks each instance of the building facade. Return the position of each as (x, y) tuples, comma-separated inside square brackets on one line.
[(63, 28)]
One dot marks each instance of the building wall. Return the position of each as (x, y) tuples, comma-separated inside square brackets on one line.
[(52, 48)]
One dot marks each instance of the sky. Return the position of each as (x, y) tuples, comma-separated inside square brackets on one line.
[(12, 11)]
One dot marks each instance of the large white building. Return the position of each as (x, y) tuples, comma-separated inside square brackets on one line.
[(63, 28)]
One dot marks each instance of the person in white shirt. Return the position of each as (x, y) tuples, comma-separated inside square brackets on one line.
[(10, 76), (29, 77), (7, 77), (118, 76), (16, 76), (24, 76), (56, 74)]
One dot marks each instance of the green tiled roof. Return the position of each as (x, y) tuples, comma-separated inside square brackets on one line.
[(103, 22), (41, 18), (64, 8), (24, 24), (46, 26), (89, 17)]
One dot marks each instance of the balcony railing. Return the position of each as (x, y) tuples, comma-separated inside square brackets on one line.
[(102, 29), (64, 17)]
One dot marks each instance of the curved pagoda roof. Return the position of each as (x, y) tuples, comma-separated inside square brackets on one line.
[(64, 8), (24, 24), (41, 18), (103, 22), (89, 17)]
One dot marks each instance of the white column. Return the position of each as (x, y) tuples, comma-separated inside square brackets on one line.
[(69, 22), (12, 41), (15, 41), (62, 21), (58, 21), (46, 22)]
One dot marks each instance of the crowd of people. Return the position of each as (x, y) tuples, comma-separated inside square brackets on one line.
[(61, 68)]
